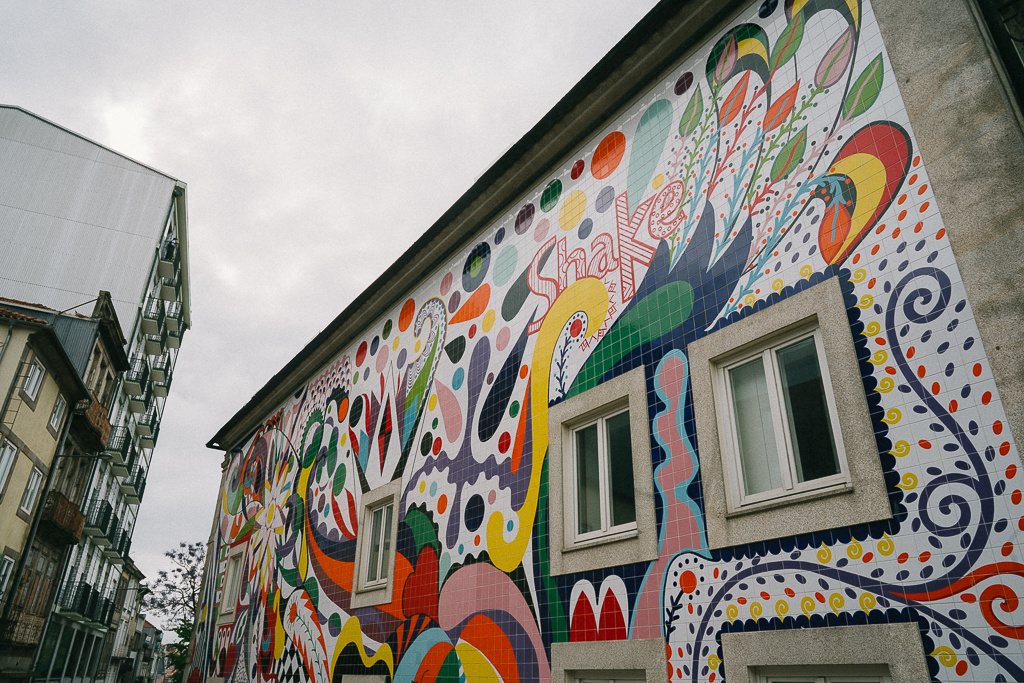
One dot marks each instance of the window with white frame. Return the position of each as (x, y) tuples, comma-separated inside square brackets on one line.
[(34, 379), (375, 551), (57, 416), (378, 550), (229, 594), (8, 452), (778, 418), (602, 476), (6, 567), (28, 500)]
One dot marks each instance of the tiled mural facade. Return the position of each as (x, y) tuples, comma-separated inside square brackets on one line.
[(776, 158)]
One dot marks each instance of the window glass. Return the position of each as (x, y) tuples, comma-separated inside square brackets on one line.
[(28, 500), (620, 452), (387, 543), (588, 480), (810, 429), (7, 453), (6, 566), (34, 379), (378, 559), (755, 434), (57, 417)]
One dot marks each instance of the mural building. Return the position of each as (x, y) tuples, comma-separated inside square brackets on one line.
[(689, 387)]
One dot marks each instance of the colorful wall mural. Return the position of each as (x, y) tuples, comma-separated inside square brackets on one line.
[(778, 156)]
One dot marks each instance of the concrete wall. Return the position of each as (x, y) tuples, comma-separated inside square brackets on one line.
[(835, 145)]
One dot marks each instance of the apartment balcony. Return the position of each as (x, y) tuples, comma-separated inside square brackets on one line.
[(134, 485), (97, 521), (160, 368), (175, 319), (21, 629), (137, 378), (117, 552), (170, 288), (65, 522), (174, 338), (169, 259), (153, 316), (78, 600), (119, 446), (142, 403), (110, 538), (156, 344), (147, 425), (100, 615)]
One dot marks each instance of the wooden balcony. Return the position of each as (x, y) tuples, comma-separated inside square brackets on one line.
[(64, 521)]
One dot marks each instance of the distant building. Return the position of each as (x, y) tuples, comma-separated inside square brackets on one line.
[(716, 375), (75, 219)]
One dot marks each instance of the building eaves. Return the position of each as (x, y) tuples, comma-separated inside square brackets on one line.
[(670, 31), (7, 314)]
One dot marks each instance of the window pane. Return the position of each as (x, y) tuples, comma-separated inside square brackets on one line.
[(384, 562), (810, 430), (759, 456), (588, 491), (620, 469), (374, 559)]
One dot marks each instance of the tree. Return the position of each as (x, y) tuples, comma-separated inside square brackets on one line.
[(174, 596)]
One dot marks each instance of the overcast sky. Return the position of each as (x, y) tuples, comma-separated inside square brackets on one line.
[(318, 140)]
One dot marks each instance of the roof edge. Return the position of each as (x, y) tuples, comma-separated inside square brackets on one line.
[(668, 32)]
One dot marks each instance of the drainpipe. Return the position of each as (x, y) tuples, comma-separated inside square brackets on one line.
[(36, 518)]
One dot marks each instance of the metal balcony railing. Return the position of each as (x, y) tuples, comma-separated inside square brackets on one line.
[(77, 599), (119, 445), (169, 258), (153, 315), (156, 344), (175, 316), (170, 288), (137, 377), (160, 369), (21, 629), (134, 485), (142, 403), (174, 338), (97, 518)]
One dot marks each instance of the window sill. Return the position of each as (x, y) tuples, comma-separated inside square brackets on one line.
[(793, 498), (611, 538)]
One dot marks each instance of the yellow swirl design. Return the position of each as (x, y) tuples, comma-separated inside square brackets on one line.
[(945, 655), (908, 482), (756, 609), (865, 301), (590, 296), (807, 605), (749, 300), (777, 285), (713, 662), (824, 554), (885, 385), (886, 545), (859, 275), (879, 357), (781, 608), (892, 416), (836, 602), (854, 550), (806, 271), (352, 633), (731, 612), (901, 449), (872, 329), (867, 601)]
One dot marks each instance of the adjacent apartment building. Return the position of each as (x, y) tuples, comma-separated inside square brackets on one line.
[(94, 250), (715, 375)]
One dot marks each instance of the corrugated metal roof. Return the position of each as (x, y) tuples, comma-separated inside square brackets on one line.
[(75, 217), (76, 335)]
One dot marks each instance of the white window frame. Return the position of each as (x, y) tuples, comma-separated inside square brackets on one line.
[(380, 591), (382, 570), (8, 455), (232, 576), (60, 408), (767, 350), (607, 531), (34, 379), (31, 495), (6, 565)]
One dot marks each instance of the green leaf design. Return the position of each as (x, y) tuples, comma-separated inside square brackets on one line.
[(692, 114), (790, 156), (312, 589), (865, 89), (788, 43)]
